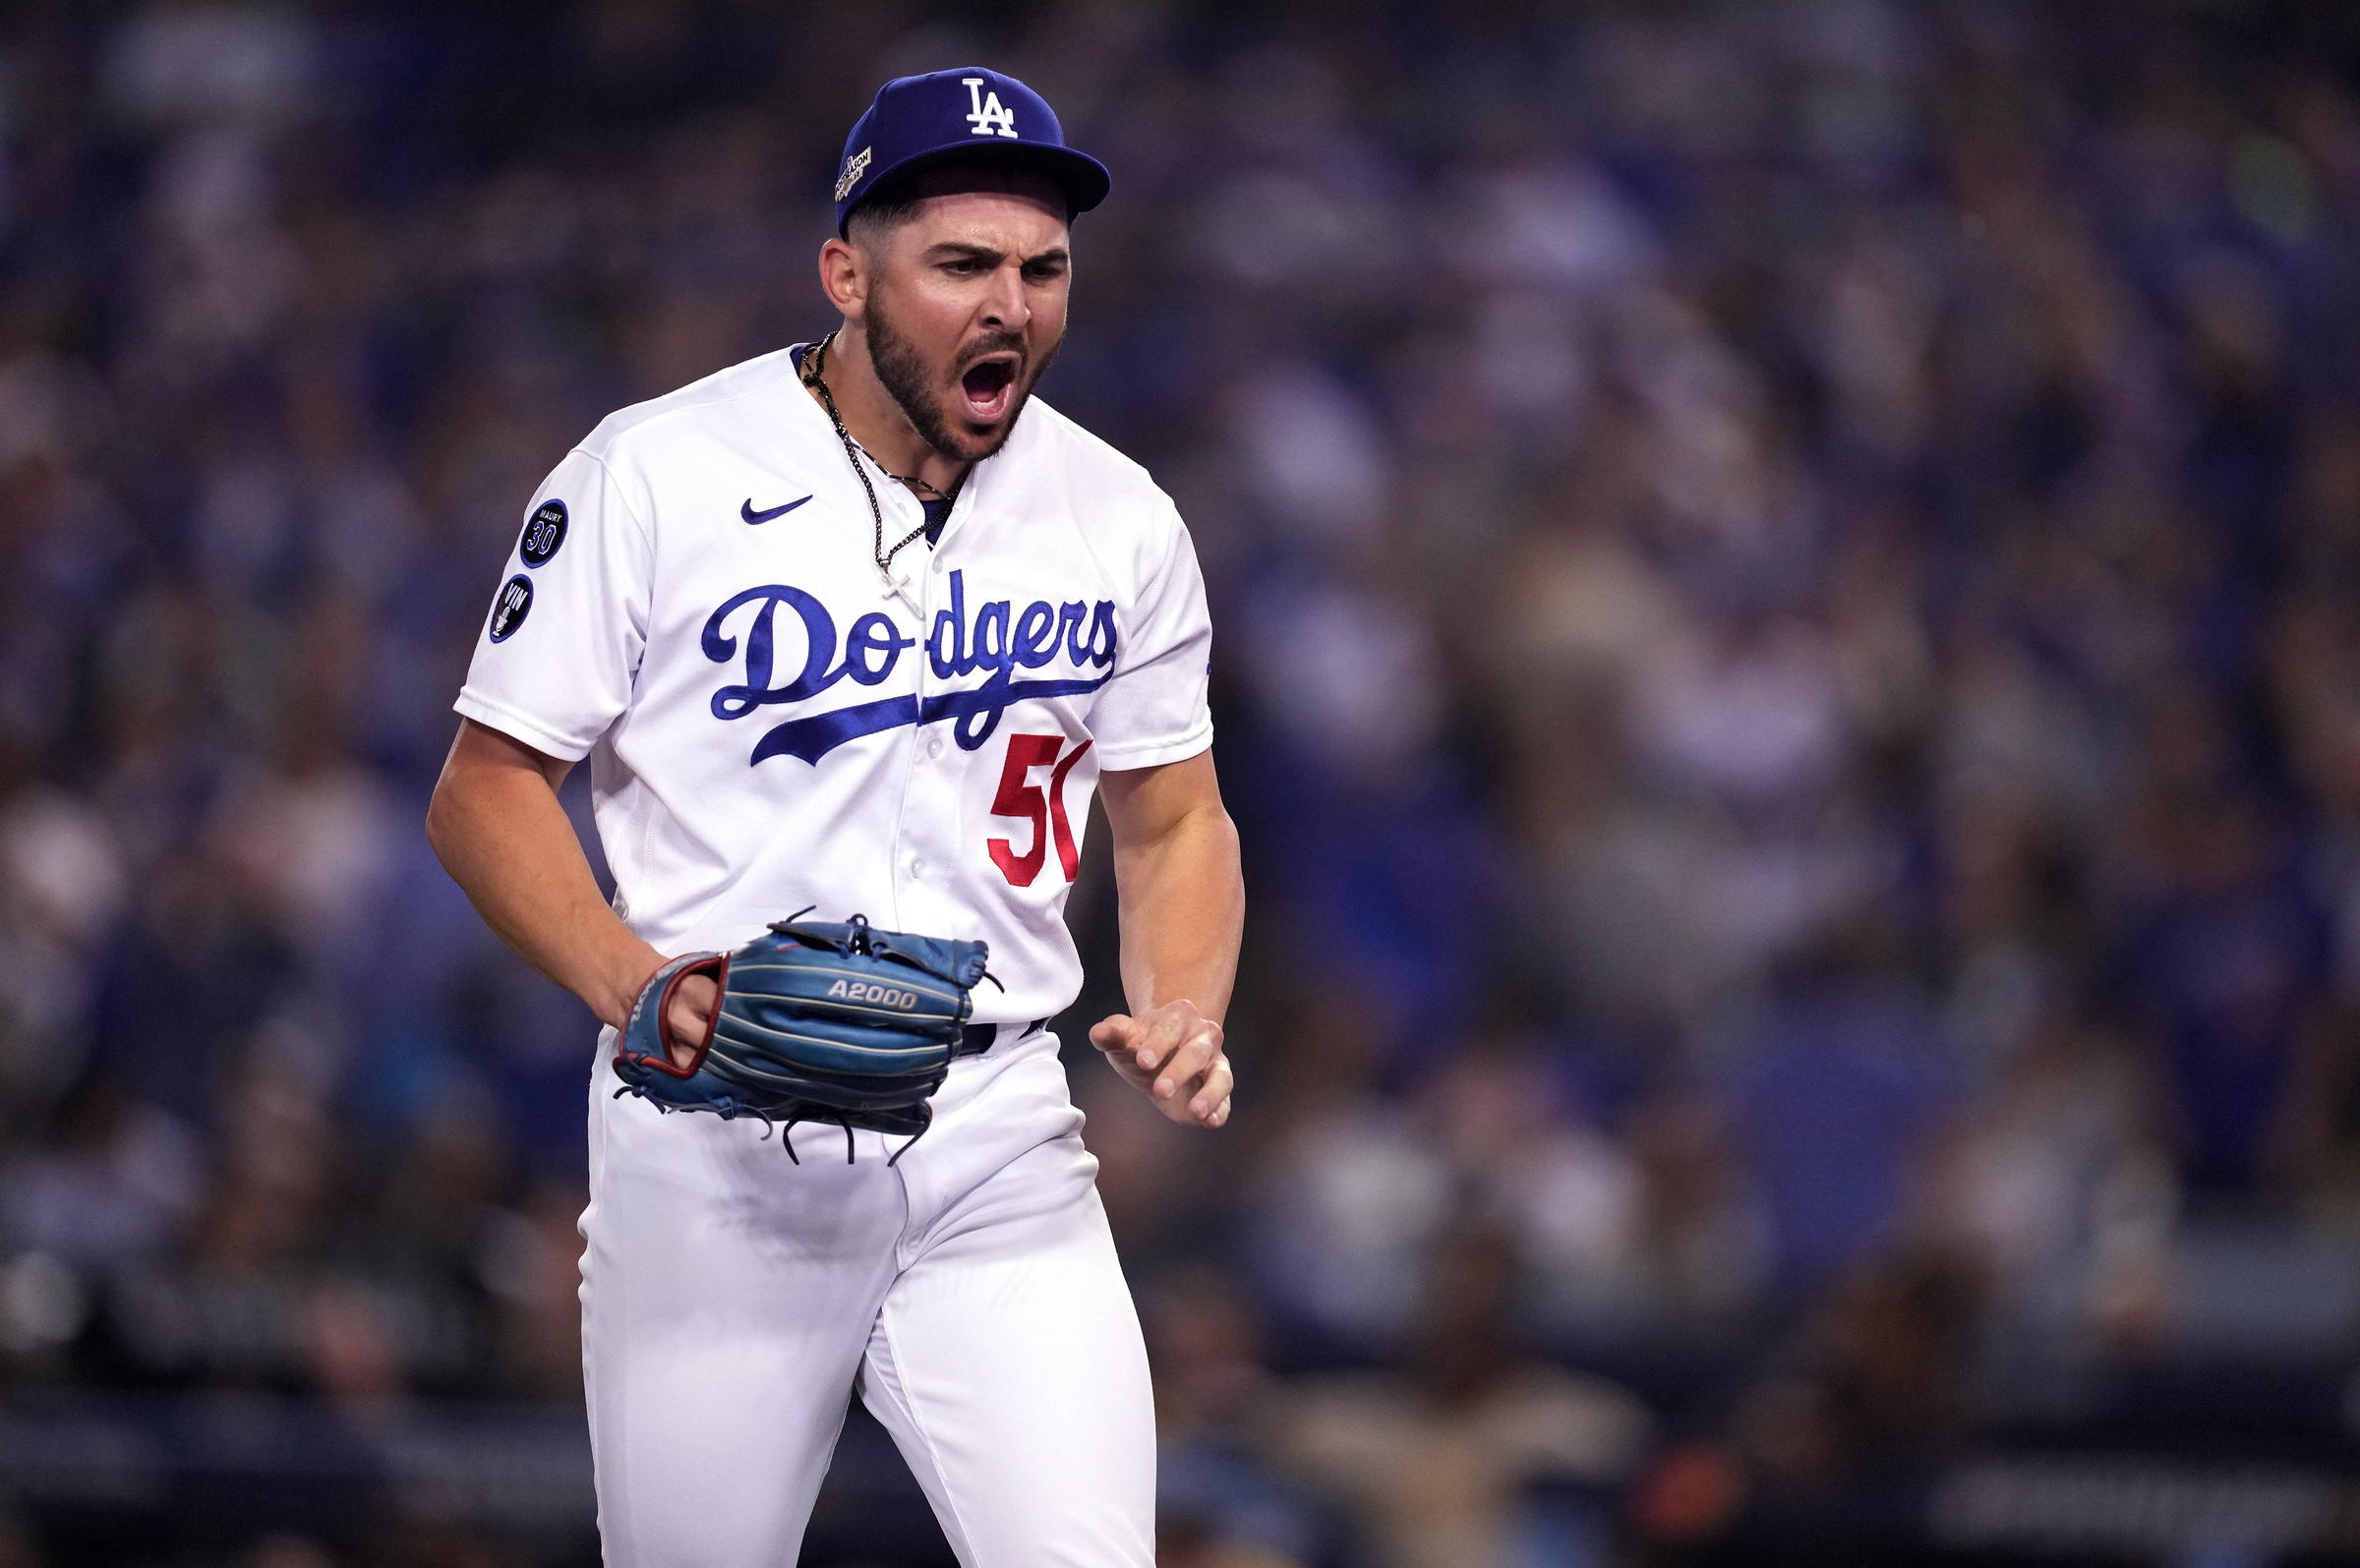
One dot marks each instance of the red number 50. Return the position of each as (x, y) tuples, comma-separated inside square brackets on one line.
[(1019, 796)]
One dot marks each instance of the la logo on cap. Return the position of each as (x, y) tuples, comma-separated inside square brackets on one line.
[(986, 117)]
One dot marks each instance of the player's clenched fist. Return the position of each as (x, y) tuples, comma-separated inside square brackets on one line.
[(1174, 1055)]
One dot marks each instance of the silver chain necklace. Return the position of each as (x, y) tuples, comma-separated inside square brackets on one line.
[(854, 451)]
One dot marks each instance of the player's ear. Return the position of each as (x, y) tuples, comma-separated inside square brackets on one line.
[(843, 277)]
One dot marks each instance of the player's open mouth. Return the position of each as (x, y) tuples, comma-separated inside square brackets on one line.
[(989, 386)]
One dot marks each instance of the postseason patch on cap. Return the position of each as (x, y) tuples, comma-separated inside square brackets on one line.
[(853, 167), (543, 532), (509, 611)]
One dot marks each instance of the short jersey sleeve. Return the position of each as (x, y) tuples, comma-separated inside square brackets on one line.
[(1152, 709), (558, 649)]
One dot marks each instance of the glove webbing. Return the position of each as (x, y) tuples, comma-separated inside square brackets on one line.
[(975, 1040)]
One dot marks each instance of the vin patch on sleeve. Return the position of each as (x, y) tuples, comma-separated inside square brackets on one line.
[(509, 611)]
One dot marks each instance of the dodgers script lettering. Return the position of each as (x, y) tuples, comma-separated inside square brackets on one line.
[(996, 642)]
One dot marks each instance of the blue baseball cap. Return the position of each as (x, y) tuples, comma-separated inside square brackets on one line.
[(954, 117)]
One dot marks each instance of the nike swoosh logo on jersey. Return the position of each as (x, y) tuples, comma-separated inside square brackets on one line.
[(747, 512)]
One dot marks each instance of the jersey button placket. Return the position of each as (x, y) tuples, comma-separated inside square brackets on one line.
[(915, 810)]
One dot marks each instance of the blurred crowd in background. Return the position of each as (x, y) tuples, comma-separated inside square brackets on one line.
[(1788, 664)]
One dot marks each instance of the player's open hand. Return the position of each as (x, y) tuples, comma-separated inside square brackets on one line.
[(1173, 1053)]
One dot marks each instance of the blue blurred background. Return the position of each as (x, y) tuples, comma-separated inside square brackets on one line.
[(1789, 666)]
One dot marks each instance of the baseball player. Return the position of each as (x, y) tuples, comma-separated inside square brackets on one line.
[(859, 627)]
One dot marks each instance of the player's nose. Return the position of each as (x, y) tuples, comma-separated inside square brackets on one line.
[(1004, 303)]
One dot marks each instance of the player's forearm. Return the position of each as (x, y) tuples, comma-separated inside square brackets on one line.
[(1183, 909), (504, 838)]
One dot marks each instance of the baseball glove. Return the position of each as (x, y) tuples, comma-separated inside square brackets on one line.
[(815, 1023)]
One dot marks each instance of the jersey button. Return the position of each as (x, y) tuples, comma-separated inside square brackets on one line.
[(918, 866), (934, 747)]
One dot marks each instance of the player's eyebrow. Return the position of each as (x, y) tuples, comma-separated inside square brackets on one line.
[(968, 251)]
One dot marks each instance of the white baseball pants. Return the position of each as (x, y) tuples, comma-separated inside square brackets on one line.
[(732, 1301)]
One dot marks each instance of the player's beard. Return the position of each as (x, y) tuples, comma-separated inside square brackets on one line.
[(904, 372)]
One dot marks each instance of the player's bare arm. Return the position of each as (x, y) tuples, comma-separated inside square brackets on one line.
[(496, 826), (1183, 905)]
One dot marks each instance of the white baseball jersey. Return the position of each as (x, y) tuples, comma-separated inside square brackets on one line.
[(695, 604)]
